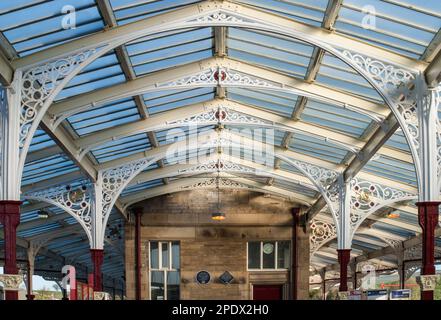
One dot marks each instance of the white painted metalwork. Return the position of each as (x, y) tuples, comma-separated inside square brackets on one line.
[(436, 98), (78, 202), (110, 183), (214, 182), (216, 165), (355, 201), (35, 87), (368, 197), (321, 233), (410, 268), (221, 112)]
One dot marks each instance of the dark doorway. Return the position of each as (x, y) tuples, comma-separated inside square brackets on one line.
[(267, 292)]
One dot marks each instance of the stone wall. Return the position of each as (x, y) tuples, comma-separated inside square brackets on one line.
[(209, 245)]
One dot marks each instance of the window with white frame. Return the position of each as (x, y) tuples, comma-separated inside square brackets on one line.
[(164, 270), (269, 255)]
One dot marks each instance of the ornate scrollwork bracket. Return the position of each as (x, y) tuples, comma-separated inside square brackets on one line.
[(40, 84), (75, 200), (216, 165), (368, 197), (214, 182), (321, 233)]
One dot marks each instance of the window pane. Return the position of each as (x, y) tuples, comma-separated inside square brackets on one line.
[(154, 255), (269, 255), (157, 285), (165, 256), (175, 255), (173, 280), (283, 255), (253, 255)]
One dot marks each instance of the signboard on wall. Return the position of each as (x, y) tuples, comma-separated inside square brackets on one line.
[(203, 277), (377, 295), (354, 295), (403, 294)]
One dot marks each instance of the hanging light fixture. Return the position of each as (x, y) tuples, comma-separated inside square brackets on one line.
[(393, 215), (43, 214), (218, 215)]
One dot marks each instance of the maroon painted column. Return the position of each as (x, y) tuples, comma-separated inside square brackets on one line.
[(138, 213), (344, 256), (97, 260), (428, 220), (10, 219), (300, 255)]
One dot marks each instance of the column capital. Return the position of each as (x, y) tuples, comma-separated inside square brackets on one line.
[(427, 282), (100, 295), (11, 282), (10, 206), (299, 217)]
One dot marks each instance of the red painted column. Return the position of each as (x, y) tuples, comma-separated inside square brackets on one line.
[(10, 219), (97, 260), (138, 213), (428, 220), (344, 256)]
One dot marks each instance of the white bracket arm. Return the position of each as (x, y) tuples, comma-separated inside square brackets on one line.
[(77, 201)]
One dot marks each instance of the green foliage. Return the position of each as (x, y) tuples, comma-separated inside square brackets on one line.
[(47, 294), (315, 294)]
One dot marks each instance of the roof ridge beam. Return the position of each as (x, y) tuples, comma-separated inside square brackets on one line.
[(79, 103), (159, 122), (177, 186)]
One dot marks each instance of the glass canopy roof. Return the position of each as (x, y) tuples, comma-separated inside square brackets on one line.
[(406, 27)]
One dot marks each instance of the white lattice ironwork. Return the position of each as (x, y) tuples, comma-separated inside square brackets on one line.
[(436, 98), (375, 265), (322, 178), (321, 233), (77, 201), (413, 253), (397, 85), (416, 110), (410, 268), (29, 96), (216, 165), (368, 197), (38, 83), (201, 79), (220, 16), (397, 245), (214, 182), (219, 76), (220, 115), (113, 181)]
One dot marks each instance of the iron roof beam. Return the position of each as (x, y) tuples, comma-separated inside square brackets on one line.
[(126, 30)]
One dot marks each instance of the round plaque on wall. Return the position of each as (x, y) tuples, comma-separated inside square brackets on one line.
[(203, 277)]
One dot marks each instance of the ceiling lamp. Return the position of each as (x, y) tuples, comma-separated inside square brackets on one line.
[(393, 215), (43, 214), (218, 215)]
